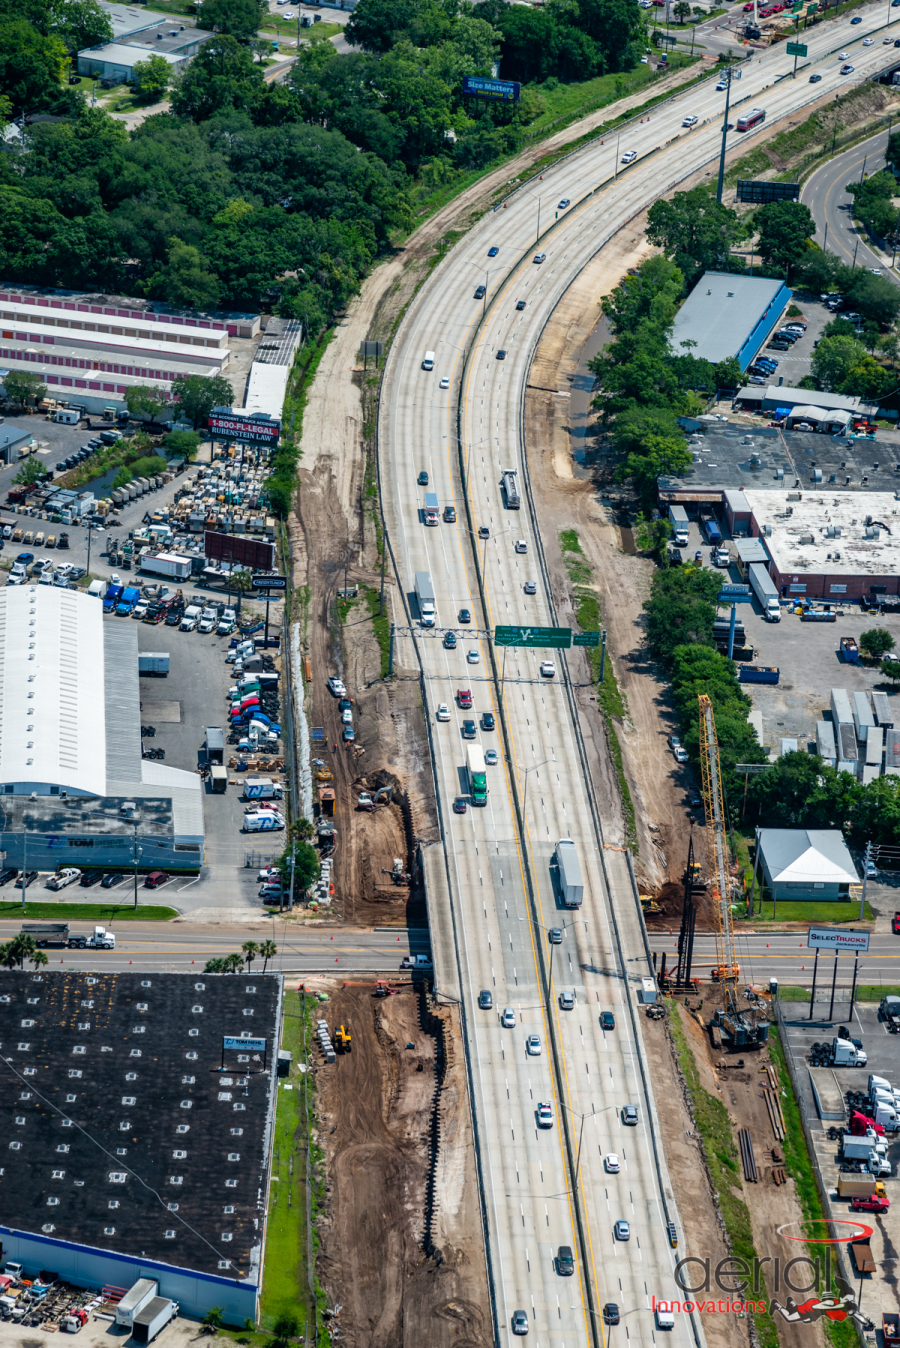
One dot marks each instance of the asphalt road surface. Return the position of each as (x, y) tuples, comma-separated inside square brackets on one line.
[(786, 956), (826, 195)]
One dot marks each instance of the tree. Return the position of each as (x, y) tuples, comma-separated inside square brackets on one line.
[(197, 395), (214, 1319), (306, 865), (233, 963), (891, 670), (21, 386), (30, 470), (696, 231), (267, 951), (876, 298), (151, 78), (182, 444), (239, 18), (143, 401), (285, 1329), (305, 829), (251, 950), (78, 23), (186, 282), (682, 10), (214, 966), (801, 791), (261, 48), (785, 228), (876, 642), (833, 359), (32, 68), (663, 455), (222, 76), (39, 959), (869, 380)]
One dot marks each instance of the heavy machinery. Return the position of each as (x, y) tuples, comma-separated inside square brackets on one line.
[(398, 875), (342, 1038), (736, 1029), (649, 905)]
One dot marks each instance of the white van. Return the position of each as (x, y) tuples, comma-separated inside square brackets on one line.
[(428, 362)]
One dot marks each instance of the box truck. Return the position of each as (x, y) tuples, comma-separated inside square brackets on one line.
[(425, 597), (262, 788), (571, 885), (766, 591), (858, 1186), (680, 525), (218, 779), (432, 509)]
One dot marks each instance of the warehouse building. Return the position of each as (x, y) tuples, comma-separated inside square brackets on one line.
[(137, 1130), (74, 788), (830, 413), (729, 315), (91, 348), (799, 863), (114, 62)]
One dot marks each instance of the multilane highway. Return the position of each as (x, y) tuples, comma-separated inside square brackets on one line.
[(491, 894)]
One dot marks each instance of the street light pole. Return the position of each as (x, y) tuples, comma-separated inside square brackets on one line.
[(136, 853), (721, 182)]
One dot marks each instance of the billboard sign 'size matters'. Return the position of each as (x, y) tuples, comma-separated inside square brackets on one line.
[(234, 548), (495, 91)]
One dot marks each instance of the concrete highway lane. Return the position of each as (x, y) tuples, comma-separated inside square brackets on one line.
[(826, 195), (491, 892), (174, 949)]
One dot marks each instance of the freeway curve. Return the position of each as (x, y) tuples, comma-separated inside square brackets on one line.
[(491, 896), (825, 193)]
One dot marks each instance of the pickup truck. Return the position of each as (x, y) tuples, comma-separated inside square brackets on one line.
[(63, 877), (871, 1204)]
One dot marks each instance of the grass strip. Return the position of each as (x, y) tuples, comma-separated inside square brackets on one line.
[(865, 992), (798, 1165), (381, 624), (89, 912), (786, 911), (286, 1280), (721, 1155)]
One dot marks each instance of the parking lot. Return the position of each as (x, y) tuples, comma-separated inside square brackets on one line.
[(794, 364), (877, 1290)]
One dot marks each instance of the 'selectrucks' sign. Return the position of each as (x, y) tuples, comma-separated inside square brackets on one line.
[(832, 938)]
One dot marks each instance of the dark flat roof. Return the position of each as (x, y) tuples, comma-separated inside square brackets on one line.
[(722, 458), (113, 1094), (84, 814)]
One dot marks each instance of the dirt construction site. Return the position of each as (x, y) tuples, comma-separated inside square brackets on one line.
[(401, 1250)]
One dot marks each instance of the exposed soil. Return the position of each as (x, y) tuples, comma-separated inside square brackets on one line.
[(401, 1248)]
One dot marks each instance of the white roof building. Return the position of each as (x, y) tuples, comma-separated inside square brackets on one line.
[(799, 863)]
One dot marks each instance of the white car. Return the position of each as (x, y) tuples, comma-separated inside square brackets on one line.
[(690, 120), (723, 84), (876, 271), (521, 545), (629, 157), (533, 1045), (443, 712), (681, 755), (611, 1163), (868, 42), (473, 657), (445, 382), (548, 669), (842, 56), (544, 1114), (336, 687), (63, 568), (887, 42), (540, 257), (346, 716), (508, 1019)]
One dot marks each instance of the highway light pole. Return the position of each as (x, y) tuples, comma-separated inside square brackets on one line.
[(581, 1116), (721, 181)]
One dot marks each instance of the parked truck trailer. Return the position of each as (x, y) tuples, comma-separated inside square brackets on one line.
[(571, 884)]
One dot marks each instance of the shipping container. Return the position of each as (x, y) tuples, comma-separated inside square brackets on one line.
[(758, 674), (155, 664)]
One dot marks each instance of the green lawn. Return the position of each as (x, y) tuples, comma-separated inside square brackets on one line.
[(865, 992), (285, 1288), (88, 912), (808, 912), (574, 100)]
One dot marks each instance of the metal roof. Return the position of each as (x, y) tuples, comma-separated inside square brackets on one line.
[(52, 689), (802, 855), (721, 312)]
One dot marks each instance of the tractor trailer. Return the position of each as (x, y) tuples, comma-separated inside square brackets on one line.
[(477, 773), (571, 885), (425, 597), (766, 592)]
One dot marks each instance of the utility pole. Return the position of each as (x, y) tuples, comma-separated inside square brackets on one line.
[(866, 863), (136, 853), (721, 181)]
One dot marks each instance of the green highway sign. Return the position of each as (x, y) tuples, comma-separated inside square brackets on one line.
[(560, 637), (586, 639), (796, 49)]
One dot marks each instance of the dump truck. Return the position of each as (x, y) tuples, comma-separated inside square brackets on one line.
[(46, 933)]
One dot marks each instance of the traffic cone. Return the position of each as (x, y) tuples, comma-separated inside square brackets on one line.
[(335, 959)]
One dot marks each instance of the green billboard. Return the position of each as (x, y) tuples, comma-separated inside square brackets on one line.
[(559, 637)]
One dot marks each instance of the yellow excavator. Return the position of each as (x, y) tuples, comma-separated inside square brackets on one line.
[(342, 1038)]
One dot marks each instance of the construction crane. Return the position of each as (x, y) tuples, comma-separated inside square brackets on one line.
[(728, 1021)]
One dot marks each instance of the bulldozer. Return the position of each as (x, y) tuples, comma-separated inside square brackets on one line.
[(649, 904), (342, 1038)]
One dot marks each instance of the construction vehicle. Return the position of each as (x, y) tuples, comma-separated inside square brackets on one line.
[(398, 875), (326, 801), (736, 1029), (382, 989), (649, 905), (365, 801), (341, 1038)]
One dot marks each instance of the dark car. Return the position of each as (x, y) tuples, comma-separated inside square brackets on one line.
[(492, 252), (155, 879), (26, 558), (485, 1000), (7, 874), (487, 720), (450, 641), (449, 514), (484, 531), (520, 305), (110, 881), (555, 935), (464, 616), (89, 878), (63, 542), (565, 1261), (25, 880), (814, 79), (460, 805), (423, 479), (607, 1020), (696, 801), (468, 730), (611, 1313), (479, 292), (345, 704), (501, 354)]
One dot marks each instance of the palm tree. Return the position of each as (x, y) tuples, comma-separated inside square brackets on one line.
[(304, 829), (251, 950), (268, 950), (232, 963), (39, 959), (214, 966), (25, 948)]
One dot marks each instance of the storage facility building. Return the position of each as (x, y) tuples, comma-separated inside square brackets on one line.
[(729, 315), (74, 788)]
